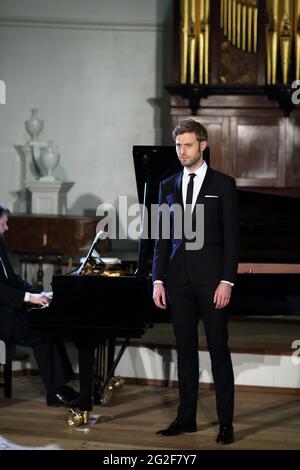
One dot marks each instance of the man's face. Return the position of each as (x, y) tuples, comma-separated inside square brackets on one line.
[(189, 150), (3, 224)]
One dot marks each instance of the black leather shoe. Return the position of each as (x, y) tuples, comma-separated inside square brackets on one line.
[(69, 392), (63, 396), (225, 435), (176, 428)]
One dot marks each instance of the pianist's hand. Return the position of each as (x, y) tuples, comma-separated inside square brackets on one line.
[(159, 296), (49, 295), (39, 299)]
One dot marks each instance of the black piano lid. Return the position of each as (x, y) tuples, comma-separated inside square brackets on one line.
[(153, 164)]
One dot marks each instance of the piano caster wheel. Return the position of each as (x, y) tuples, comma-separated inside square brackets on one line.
[(119, 382), (115, 382), (105, 398), (77, 418)]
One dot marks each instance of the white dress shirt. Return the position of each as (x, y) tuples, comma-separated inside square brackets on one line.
[(198, 181)]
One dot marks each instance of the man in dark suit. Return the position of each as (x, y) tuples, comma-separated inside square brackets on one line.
[(50, 354), (198, 280)]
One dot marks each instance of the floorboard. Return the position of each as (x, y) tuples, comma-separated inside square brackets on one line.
[(136, 412)]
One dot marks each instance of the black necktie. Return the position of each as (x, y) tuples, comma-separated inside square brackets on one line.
[(189, 193)]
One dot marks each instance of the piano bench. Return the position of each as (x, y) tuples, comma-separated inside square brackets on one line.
[(8, 353)]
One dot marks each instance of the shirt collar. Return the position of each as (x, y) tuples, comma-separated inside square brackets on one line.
[(200, 172)]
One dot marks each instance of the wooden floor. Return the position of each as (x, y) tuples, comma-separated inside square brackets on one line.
[(136, 412)]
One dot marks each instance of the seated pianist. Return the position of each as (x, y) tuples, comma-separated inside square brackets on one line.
[(16, 295)]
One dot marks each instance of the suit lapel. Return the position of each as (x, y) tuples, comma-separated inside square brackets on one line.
[(178, 189), (203, 190)]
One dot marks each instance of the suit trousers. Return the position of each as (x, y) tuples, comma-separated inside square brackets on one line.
[(188, 303), (49, 351)]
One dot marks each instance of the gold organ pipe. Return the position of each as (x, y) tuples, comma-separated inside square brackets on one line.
[(229, 19), (244, 25), (201, 57), (255, 27), (193, 10), (268, 52), (222, 14), (225, 16), (192, 42), (272, 33), (201, 45), (268, 41), (206, 65), (249, 28), (184, 40), (192, 59), (234, 22), (274, 43), (238, 24), (286, 12), (197, 18)]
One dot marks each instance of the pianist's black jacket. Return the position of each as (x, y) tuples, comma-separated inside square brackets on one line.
[(12, 291)]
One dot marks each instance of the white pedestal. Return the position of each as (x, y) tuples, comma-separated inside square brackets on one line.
[(29, 155), (49, 196)]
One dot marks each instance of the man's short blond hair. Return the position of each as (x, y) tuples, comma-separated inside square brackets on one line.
[(189, 125)]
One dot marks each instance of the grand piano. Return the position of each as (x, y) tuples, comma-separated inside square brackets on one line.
[(92, 304)]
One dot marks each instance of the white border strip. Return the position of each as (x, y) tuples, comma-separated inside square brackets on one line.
[(249, 369)]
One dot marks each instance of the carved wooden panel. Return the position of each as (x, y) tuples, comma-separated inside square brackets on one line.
[(293, 152), (257, 151)]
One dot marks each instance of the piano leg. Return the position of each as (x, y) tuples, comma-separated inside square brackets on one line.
[(113, 366), (104, 361), (86, 359)]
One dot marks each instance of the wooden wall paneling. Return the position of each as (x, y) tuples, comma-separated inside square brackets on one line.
[(293, 151), (282, 152), (258, 150), (218, 141)]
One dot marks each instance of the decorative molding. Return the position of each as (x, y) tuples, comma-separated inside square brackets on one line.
[(68, 23), (195, 93)]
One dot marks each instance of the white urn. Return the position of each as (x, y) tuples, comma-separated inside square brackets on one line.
[(34, 125), (50, 159)]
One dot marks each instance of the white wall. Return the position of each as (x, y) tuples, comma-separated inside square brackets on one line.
[(90, 67)]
